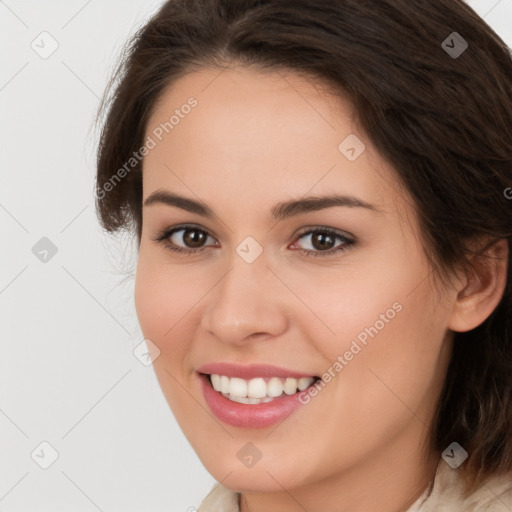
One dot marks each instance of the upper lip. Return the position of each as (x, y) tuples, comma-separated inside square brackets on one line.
[(250, 371)]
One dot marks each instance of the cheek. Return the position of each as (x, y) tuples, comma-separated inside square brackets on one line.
[(161, 305), (162, 299), (338, 307), (388, 330), (399, 364), (151, 303)]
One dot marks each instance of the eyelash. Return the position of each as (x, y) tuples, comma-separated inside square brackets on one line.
[(164, 236)]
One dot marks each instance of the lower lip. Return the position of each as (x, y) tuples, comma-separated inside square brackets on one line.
[(247, 415)]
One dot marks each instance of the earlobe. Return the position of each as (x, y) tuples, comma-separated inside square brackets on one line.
[(482, 288)]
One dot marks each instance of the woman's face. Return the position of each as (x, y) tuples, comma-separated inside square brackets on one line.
[(304, 261)]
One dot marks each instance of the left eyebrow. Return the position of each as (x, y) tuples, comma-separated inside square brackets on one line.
[(311, 204), (278, 212)]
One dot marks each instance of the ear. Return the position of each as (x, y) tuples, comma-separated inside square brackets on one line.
[(481, 288)]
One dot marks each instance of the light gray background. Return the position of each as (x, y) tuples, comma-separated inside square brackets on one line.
[(68, 375)]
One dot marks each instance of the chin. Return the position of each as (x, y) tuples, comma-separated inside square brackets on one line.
[(264, 475)]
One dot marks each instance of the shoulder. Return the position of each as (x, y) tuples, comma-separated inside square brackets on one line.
[(446, 494), (220, 499)]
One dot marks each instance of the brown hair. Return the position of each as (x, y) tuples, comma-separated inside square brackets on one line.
[(443, 121)]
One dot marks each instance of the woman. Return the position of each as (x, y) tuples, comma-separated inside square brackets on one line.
[(319, 195)]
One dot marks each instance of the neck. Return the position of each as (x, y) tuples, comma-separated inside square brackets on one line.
[(387, 482)]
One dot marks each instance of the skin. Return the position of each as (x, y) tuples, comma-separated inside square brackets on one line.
[(256, 139)]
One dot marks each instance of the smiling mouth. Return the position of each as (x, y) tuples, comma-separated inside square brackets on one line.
[(258, 390)]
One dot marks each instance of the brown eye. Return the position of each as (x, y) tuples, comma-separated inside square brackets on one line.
[(185, 239), (316, 242), (322, 241), (194, 238)]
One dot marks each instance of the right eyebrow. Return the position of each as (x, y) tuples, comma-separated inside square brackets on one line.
[(170, 199)]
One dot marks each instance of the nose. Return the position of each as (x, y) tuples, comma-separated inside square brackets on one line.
[(246, 305)]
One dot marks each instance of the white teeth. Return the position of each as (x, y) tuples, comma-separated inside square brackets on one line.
[(290, 386), (240, 399), (224, 384), (257, 390), (216, 382), (304, 383), (246, 400), (238, 387), (274, 387)]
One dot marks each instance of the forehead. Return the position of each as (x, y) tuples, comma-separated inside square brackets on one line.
[(241, 135)]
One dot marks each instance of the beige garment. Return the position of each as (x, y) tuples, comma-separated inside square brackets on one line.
[(445, 495)]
